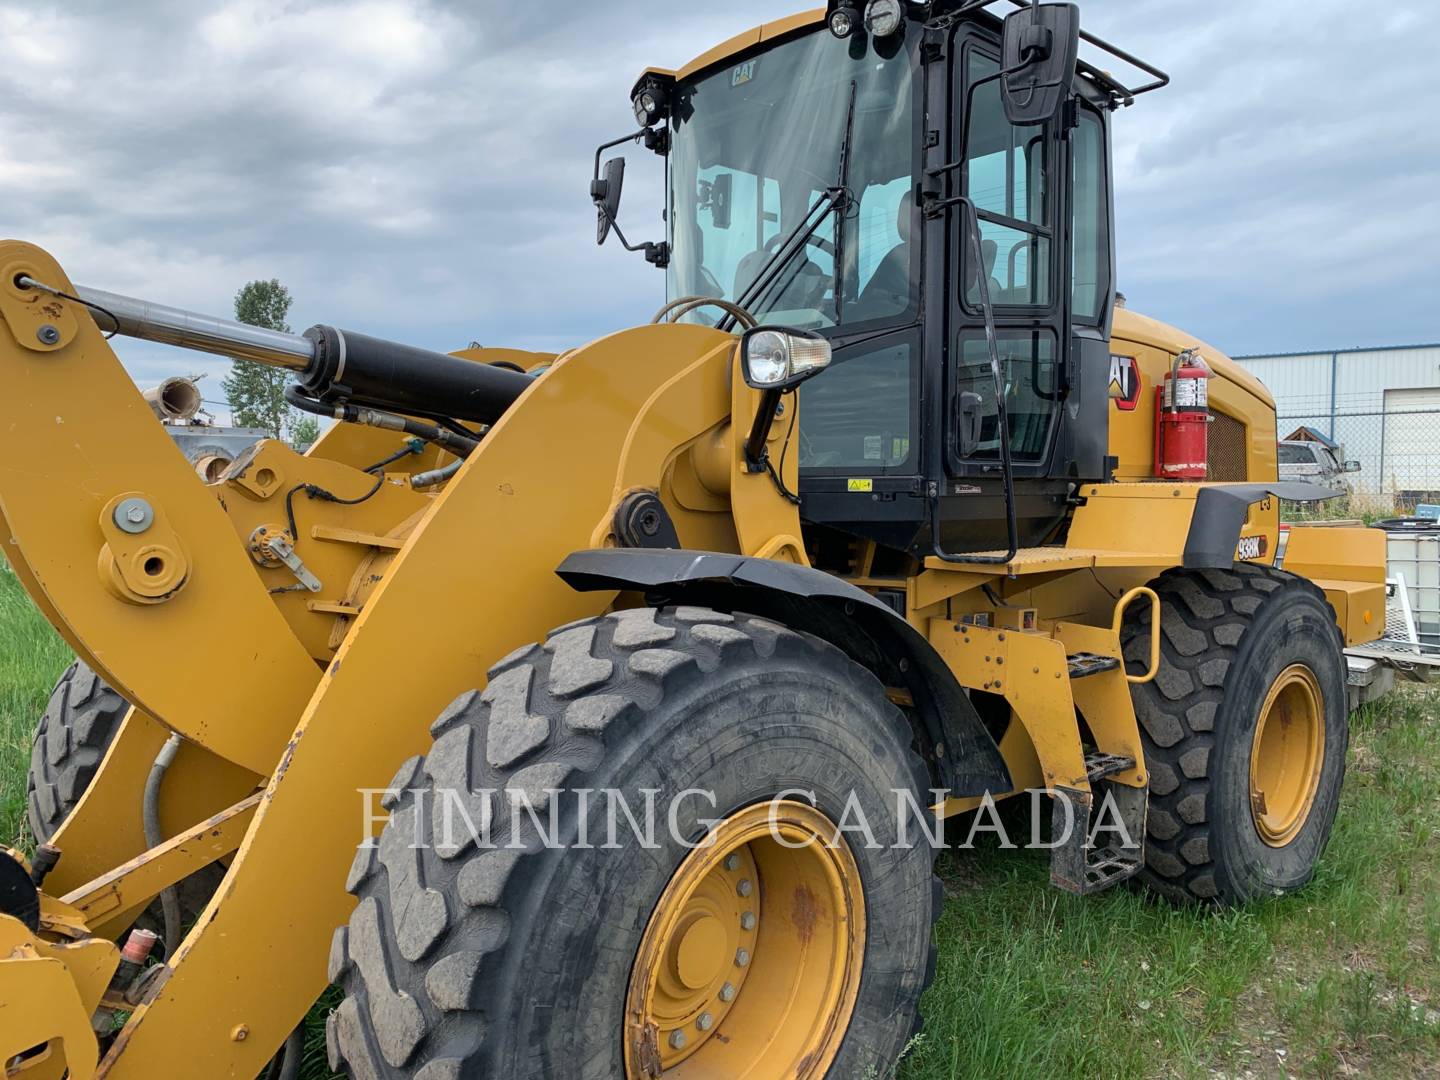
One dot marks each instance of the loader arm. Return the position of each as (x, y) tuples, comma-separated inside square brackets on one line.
[(463, 583)]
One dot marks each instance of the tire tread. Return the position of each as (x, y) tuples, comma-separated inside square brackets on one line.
[(1205, 616), (561, 703)]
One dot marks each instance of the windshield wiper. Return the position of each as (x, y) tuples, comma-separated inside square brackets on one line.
[(836, 199), (843, 183), (795, 242)]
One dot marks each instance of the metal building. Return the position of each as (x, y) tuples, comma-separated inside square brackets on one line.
[(1382, 405)]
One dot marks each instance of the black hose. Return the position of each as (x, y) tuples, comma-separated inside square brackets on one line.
[(446, 435), (150, 815)]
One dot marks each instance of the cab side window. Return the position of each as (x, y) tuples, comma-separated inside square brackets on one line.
[(1091, 227), (1005, 178)]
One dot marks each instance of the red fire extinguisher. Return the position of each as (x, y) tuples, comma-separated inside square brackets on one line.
[(1181, 415)]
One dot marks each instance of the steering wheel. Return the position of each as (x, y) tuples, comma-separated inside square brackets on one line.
[(678, 308)]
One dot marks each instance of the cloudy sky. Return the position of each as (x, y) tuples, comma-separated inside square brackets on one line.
[(420, 170)]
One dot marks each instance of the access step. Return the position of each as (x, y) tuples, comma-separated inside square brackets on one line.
[(1091, 853), (1110, 866), (1082, 664)]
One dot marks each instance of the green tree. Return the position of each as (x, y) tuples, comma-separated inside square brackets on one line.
[(256, 392), (304, 431)]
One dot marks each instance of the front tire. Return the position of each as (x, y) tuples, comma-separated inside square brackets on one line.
[(1244, 729), (517, 959)]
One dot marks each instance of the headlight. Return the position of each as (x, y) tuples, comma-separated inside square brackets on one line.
[(778, 358), (882, 17)]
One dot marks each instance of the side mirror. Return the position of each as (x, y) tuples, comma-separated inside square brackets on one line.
[(1042, 43), (605, 194), (1352, 466), (721, 189)]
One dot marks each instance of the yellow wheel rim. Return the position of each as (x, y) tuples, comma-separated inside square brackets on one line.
[(1287, 755), (751, 961)]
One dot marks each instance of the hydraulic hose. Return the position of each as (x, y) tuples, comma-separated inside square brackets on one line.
[(352, 414), (435, 476), (150, 814)]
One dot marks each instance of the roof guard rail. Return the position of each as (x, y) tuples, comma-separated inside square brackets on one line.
[(1124, 94)]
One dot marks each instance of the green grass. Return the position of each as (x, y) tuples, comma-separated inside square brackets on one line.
[(1365, 508), (1342, 979), (32, 656)]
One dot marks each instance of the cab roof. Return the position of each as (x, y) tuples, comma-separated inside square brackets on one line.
[(740, 42)]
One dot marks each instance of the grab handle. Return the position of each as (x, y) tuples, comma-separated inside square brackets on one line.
[(1124, 602)]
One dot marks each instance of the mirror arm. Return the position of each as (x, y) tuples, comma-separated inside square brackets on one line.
[(657, 254)]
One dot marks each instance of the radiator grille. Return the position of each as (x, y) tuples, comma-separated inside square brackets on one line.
[(1226, 459)]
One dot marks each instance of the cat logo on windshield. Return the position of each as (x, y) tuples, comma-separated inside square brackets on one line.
[(1124, 383), (743, 73)]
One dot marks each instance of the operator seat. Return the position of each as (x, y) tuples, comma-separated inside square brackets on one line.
[(802, 283), (705, 283), (888, 290)]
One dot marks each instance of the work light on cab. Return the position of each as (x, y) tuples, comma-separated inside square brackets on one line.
[(649, 103), (882, 17), (842, 21)]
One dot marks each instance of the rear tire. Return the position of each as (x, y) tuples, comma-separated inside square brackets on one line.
[(516, 961), (71, 739), (1229, 639)]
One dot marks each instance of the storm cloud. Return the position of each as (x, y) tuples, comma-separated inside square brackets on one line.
[(420, 170)]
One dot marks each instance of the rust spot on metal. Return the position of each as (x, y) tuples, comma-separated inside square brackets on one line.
[(804, 911), (806, 1064), (647, 1050)]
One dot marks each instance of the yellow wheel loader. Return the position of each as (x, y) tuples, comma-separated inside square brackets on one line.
[(584, 714)]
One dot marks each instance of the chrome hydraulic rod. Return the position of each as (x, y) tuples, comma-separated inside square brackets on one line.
[(191, 330), (331, 366)]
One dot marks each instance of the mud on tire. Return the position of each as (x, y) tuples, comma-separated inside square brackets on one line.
[(492, 961), (1226, 635)]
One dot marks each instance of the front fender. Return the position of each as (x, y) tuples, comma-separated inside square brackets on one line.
[(959, 751)]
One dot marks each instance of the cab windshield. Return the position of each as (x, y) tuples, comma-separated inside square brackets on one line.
[(757, 142)]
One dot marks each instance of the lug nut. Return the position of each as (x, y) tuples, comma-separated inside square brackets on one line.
[(745, 887), (747, 921), (705, 1022), (742, 957), (732, 862), (727, 992), (677, 1040)]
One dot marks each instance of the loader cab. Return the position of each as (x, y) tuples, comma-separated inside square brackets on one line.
[(904, 121)]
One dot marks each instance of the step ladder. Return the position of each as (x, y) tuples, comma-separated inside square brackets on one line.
[(1090, 859)]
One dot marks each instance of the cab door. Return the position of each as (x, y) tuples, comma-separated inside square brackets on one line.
[(1009, 173)]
